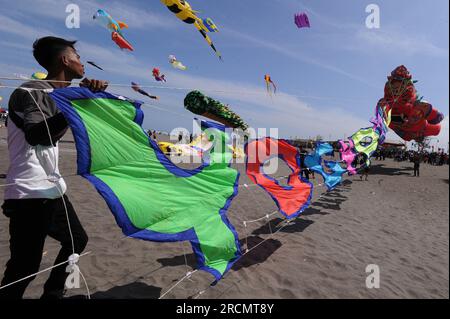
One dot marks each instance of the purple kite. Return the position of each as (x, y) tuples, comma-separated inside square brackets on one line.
[(301, 20)]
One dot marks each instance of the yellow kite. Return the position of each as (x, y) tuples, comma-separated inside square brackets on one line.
[(183, 10)]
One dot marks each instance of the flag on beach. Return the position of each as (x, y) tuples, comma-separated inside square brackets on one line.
[(150, 197)]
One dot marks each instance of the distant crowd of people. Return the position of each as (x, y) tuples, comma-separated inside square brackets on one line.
[(360, 162), (182, 138), (152, 134), (433, 158), (438, 158)]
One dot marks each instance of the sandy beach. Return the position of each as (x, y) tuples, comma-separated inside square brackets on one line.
[(394, 220)]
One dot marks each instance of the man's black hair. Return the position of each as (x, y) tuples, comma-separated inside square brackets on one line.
[(46, 50)]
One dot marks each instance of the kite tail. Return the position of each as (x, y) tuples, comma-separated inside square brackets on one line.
[(208, 39), (217, 52), (274, 87)]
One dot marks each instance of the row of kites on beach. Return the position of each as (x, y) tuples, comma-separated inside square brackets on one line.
[(153, 199)]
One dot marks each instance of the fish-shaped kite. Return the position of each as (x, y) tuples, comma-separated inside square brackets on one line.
[(106, 21), (121, 42)]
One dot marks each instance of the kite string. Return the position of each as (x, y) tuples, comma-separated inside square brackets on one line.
[(284, 220), (85, 283), (261, 92), (67, 217), (248, 251), (72, 241), (253, 185), (260, 207), (184, 254), (48, 130), (17, 181), (188, 275), (55, 160), (262, 218), (165, 110), (143, 104), (41, 271), (51, 179), (315, 187)]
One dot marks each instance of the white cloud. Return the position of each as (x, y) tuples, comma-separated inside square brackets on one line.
[(444, 136), (11, 26), (395, 42), (296, 55), (10, 70), (389, 38), (113, 59), (289, 113), (137, 18), (15, 45)]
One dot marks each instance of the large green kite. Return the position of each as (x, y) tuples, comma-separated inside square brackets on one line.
[(151, 198)]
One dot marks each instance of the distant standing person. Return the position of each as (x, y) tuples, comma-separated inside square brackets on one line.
[(365, 168), (303, 168), (416, 161)]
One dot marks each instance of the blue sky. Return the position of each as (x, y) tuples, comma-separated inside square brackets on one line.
[(329, 76)]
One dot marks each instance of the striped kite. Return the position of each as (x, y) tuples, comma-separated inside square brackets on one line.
[(183, 10)]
